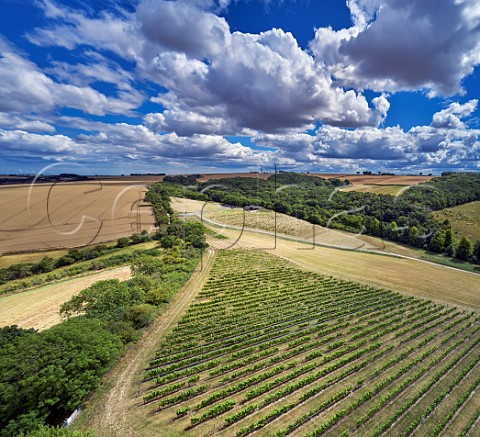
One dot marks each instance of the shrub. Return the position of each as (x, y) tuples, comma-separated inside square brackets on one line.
[(141, 315), (123, 242)]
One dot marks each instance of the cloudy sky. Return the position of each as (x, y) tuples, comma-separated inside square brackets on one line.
[(123, 86)]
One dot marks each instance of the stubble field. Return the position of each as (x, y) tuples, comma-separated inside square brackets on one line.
[(355, 179), (393, 190), (378, 179), (71, 214)]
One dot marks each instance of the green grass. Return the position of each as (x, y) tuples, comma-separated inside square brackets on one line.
[(208, 231), (465, 220), (451, 262), (211, 233), (267, 347)]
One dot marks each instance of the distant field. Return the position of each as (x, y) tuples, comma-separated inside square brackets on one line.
[(354, 178), (53, 216), (290, 226), (377, 189), (465, 220), (272, 350), (377, 179), (39, 308), (207, 177)]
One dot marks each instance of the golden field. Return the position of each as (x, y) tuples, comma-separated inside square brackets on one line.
[(393, 190), (43, 217), (378, 179)]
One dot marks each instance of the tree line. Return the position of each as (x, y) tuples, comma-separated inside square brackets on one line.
[(406, 218)]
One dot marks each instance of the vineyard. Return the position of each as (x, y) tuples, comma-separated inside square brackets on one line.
[(269, 349)]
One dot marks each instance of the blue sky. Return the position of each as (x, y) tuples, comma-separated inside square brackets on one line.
[(125, 86)]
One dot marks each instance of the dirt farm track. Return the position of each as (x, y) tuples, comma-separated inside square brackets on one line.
[(70, 214)]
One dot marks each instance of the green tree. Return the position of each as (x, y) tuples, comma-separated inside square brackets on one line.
[(145, 282), (448, 238), (141, 315), (392, 231), (375, 226), (168, 241), (283, 206), (107, 300), (64, 261), (148, 265), (44, 376), (476, 252), (45, 265), (464, 249), (9, 333), (413, 236), (192, 233), (19, 271), (450, 250), (136, 239), (437, 242)]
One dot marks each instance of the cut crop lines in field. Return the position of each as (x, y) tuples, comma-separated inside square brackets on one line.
[(266, 220), (268, 347), (70, 214)]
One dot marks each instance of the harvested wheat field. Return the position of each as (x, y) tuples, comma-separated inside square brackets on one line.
[(213, 176), (353, 178), (70, 214), (39, 308), (378, 179), (393, 190)]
